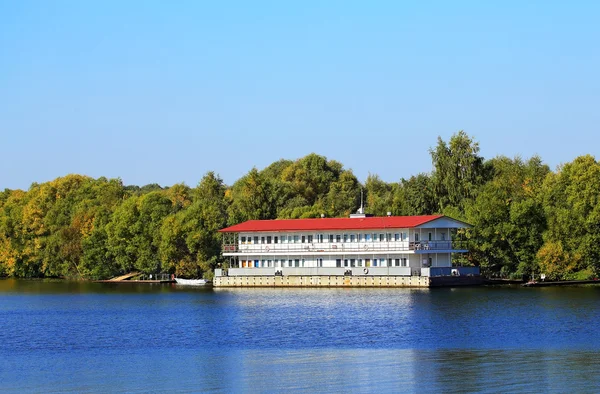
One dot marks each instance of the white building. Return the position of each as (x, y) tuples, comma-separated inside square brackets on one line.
[(359, 245)]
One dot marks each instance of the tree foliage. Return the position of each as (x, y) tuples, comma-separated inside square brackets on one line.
[(527, 219)]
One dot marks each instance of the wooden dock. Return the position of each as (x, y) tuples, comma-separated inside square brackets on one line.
[(127, 279), (134, 281)]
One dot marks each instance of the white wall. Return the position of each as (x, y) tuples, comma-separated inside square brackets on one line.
[(270, 261)]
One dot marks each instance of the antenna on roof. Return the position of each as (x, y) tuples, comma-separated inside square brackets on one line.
[(361, 210)]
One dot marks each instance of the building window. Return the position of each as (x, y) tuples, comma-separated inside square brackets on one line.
[(430, 237), (397, 262), (290, 263), (374, 262), (352, 262), (443, 236), (303, 239), (360, 262), (345, 262), (381, 237), (297, 263), (338, 238), (352, 238), (296, 239), (320, 262), (269, 263), (374, 237), (396, 237), (255, 240), (310, 239), (416, 237), (269, 239), (275, 239), (338, 262), (388, 237), (367, 237), (404, 262), (345, 238), (330, 238), (382, 262), (243, 240), (262, 240), (320, 238)]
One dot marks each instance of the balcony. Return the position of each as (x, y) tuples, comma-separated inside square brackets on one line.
[(340, 248)]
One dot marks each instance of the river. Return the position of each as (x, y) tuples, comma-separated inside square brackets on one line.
[(59, 336)]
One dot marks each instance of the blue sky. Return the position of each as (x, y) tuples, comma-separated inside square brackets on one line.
[(157, 91)]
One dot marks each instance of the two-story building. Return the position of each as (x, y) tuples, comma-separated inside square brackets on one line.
[(362, 245)]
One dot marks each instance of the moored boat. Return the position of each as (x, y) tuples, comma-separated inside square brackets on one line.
[(191, 282)]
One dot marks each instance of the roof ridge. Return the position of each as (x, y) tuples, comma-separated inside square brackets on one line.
[(344, 223)]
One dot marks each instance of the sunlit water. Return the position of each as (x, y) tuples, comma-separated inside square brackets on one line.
[(86, 337)]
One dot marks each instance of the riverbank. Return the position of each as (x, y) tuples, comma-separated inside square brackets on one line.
[(562, 283)]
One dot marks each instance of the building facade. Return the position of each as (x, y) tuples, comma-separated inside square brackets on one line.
[(355, 246)]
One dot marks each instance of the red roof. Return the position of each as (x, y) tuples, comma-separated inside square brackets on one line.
[(331, 224)]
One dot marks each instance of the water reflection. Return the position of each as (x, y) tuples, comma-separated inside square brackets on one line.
[(455, 371), (77, 337)]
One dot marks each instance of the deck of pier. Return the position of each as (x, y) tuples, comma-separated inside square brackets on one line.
[(127, 279)]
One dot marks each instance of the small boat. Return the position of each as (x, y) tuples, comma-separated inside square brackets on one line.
[(191, 282)]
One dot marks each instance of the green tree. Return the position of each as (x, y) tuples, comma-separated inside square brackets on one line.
[(508, 217), (379, 196), (133, 234), (343, 197), (572, 241), (414, 196), (190, 242), (458, 171), (251, 197)]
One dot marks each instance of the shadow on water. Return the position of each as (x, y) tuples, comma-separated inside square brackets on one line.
[(62, 286)]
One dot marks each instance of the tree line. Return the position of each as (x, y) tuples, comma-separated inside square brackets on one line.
[(527, 219)]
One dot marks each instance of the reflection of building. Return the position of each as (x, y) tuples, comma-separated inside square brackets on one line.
[(339, 249)]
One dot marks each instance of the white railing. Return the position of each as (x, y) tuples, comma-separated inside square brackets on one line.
[(344, 247), (354, 271), (317, 271)]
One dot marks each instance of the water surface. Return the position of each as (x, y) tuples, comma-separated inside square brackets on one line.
[(84, 337)]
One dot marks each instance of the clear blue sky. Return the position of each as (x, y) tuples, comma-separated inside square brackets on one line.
[(159, 91)]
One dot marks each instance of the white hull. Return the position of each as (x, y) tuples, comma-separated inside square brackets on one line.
[(191, 282)]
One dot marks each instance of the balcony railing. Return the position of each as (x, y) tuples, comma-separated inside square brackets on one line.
[(355, 271), (345, 248)]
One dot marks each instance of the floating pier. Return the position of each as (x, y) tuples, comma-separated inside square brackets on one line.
[(345, 281), (127, 279)]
